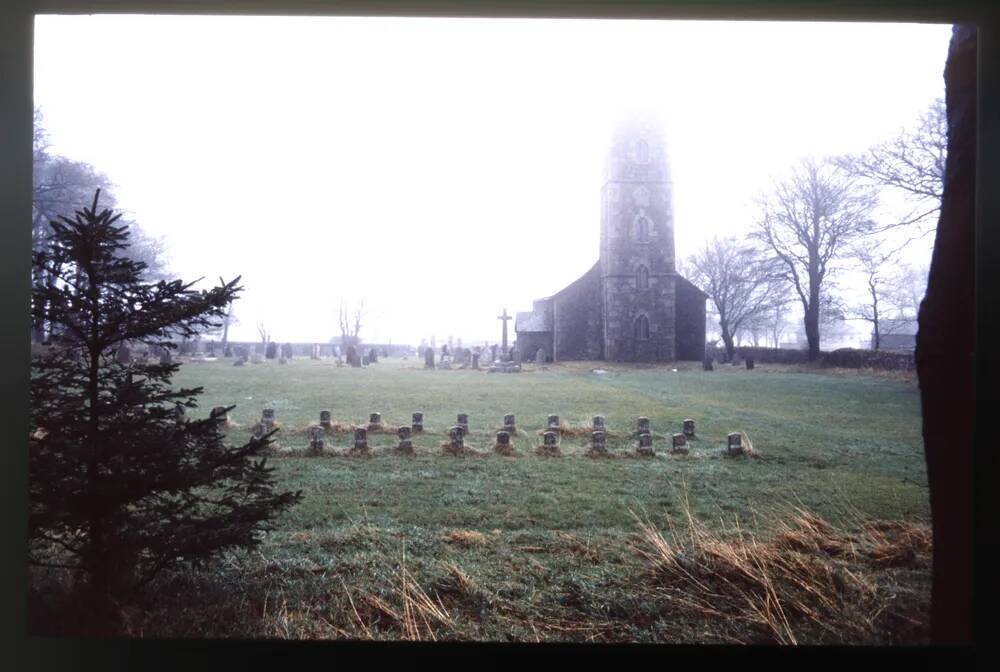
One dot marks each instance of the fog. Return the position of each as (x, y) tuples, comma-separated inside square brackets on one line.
[(444, 169)]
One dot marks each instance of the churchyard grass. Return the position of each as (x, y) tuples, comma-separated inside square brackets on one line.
[(527, 548)]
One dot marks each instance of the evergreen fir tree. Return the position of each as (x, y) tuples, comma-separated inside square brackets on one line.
[(123, 482)]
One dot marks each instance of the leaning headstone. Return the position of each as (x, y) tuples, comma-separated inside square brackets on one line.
[(553, 422), (429, 358), (418, 422), (463, 422), (324, 419), (749, 363), (646, 444), (679, 444), (707, 363), (643, 425), (405, 442), (688, 427), (598, 423), (508, 423), (735, 444), (599, 442), (360, 440)]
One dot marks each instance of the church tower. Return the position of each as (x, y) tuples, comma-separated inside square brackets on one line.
[(638, 279)]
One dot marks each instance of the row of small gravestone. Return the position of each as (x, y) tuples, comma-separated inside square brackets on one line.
[(461, 428)]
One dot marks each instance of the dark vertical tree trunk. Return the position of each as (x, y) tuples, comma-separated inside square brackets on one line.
[(945, 352)]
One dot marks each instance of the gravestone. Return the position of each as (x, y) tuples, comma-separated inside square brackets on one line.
[(227, 351), (210, 348), (271, 351), (493, 353), (679, 444), (123, 355), (475, 360), (688, 427), (598, 423), (352, 356), (165, 357), (749, 363), (429, 358), (707, 363), (643, 425), (267, 418), (418, 422), (735, 444), (646, 444), (286, 350), (553, 422), (361, 440), (316, 443), (405, 442), (374, 421), (540, 356), (515, 356), (508, 423), (239, 362), (324, 419), (550, 443), (503, 438), (456, 435), (599, 441), (463, 422)]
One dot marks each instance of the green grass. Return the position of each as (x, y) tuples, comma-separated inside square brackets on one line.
[(558, 558)]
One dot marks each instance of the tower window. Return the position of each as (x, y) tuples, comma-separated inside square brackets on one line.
[(643, 230), (642, 278), (641, 328)]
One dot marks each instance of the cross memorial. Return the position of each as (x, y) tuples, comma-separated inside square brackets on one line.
[(504, 317)]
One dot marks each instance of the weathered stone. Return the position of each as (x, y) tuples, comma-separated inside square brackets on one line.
[(643, 424), (165, 357), (418, 422), (475, 360), (508, 423), (540, 356), (735, 443), (707, 363), (463, 422), (325, 419), (267, 418), (374, 420), (317, 442), (679, 444), (456, 436), (403, 432), (503, 438), (553, 422), (550, 438), (360, 439), (688, 427), (646, 444), (749, 363), (599, 441), (598, 423)]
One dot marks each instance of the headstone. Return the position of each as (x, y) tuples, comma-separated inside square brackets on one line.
[(286, 351), (515, 356), (360, 439), (493, 353), (707, 363), (508, 423), (475, 360), (735, 444), (553, 422), (540, 356), (271, 352), (352, 356), (123, 355), (457, 437), (165, 357), (316, 443), (749, 363), (227, 351), (463, 422), (646, 444), (418, 422), (643, 425), (688, 427), (324, 419), (374, 420), (679, 444), (599, 441), (267, 418), (503, 438), (599, 423), (180, 413), (405, 442), (429, 358), (210, 348)]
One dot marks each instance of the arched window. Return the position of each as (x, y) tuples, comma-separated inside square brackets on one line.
[(642, 278), (641, 152), (641, 328), (643, 230)]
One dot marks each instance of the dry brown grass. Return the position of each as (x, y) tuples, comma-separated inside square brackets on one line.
[(569, 430), (465, 451), (465, 538), (548, 451), (505, 450), (799, 586)]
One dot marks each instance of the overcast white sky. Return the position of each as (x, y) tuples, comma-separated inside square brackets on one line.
[(444, 169)]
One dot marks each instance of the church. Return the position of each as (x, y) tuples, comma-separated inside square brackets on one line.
[(632, 305)]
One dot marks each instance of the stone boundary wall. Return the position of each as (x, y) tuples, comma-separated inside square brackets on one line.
[(848, 358)]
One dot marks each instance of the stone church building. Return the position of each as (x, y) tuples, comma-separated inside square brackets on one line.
[(632, 305)]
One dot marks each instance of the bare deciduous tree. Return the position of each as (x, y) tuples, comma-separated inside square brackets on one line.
[(911, 164), (809, 222), (740, 281), (351, 321)]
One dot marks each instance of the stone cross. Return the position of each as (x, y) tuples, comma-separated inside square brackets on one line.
[(504, 317), (418, 422)]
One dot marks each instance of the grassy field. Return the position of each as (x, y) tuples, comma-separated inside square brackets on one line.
[(822, 539)]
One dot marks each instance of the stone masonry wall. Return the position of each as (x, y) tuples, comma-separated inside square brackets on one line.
[(578, 319)]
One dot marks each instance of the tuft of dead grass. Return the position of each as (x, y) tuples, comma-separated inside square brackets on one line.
[(548, 451), (465, 451), (505, 450), (465, 538)]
